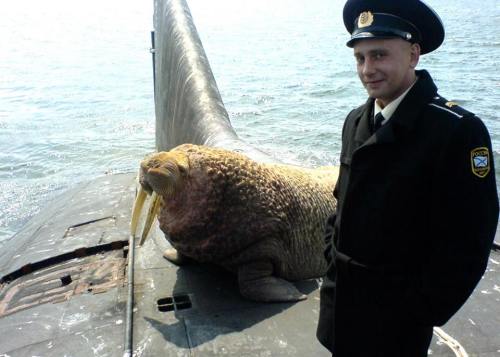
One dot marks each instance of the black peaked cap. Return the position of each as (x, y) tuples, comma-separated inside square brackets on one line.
[(411, 20)]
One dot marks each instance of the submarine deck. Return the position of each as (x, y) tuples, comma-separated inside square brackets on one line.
[(64, 292)]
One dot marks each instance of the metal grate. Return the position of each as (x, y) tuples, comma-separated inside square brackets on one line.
[(60, 282), (174, 303)]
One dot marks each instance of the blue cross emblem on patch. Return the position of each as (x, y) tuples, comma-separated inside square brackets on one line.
[(480, 161)]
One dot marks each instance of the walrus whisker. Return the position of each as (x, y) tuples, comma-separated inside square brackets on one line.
[(136, 211), (154, 206)]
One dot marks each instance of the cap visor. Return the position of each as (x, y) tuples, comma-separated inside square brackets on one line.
[(367, 36)]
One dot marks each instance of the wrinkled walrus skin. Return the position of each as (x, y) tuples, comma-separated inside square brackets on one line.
[(263, 221)]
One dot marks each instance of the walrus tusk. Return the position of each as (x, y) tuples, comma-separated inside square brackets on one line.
[(154, 206), (136, 211)]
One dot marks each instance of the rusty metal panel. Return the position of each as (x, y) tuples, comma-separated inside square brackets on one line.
[(92, 274), (62, 276), (93, 214)]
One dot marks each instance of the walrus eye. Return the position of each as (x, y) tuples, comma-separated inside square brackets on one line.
[(183, 170), (181, 163)]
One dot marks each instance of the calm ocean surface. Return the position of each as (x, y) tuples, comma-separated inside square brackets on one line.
[(76, 92)]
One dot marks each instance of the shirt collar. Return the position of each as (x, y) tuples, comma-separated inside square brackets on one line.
[(392, 106)]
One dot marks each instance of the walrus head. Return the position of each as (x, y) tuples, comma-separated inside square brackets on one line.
[(161, 175)]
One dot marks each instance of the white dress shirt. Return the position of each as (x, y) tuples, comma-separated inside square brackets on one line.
[(390, 108)]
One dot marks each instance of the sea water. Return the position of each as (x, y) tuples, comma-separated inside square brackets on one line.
[(76, 87)]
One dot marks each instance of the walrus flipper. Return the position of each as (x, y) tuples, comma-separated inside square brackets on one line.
[(256, 283), (175, 257)]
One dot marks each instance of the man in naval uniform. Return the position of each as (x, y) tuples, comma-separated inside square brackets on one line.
[(417, 201)]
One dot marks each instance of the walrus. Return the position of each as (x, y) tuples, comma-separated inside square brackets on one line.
[(262, 221)]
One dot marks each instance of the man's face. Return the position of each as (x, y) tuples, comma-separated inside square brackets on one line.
[(386, 67)]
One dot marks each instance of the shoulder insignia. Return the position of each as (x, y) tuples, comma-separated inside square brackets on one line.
[(480, 161), (449, 106)]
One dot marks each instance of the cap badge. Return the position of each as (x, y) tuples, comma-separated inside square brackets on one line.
[(365, 19), (480, 160)]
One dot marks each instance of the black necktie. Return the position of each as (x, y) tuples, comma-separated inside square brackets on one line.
[(379, 118)]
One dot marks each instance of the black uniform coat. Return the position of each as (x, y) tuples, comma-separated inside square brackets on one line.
[(415, 222)]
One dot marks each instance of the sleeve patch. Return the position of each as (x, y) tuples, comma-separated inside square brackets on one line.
[(480, 161)]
